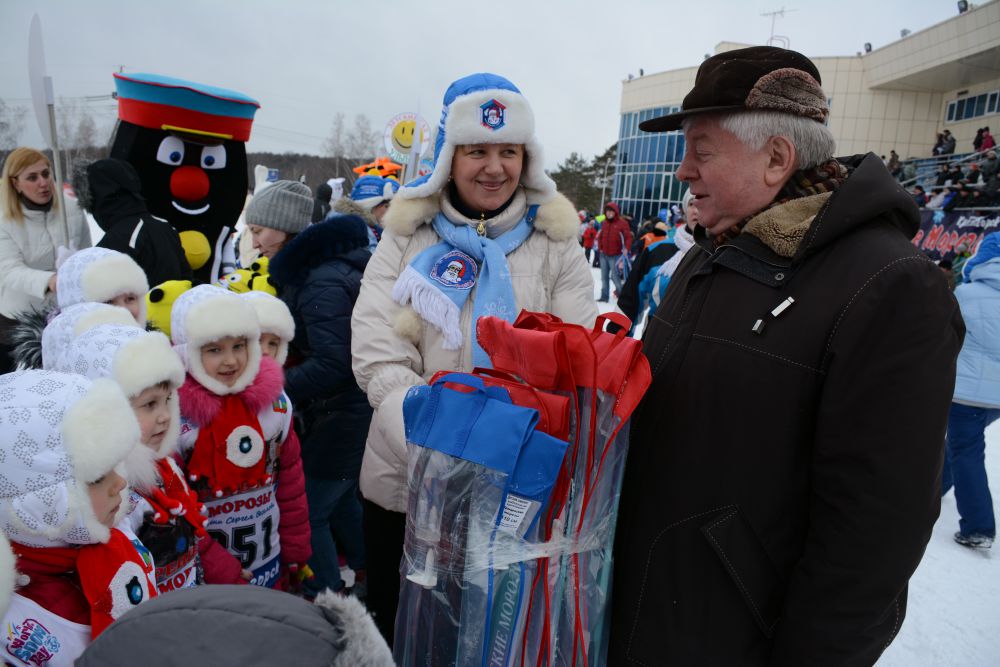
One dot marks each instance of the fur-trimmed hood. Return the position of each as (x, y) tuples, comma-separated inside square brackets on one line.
[(73, 321), (8, 575), (200, 405), (218, 623), (346, 206), (556, 218), (339, 236)]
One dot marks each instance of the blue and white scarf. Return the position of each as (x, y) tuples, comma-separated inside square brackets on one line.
[(438, 281)]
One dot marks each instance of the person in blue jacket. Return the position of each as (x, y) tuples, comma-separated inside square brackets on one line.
[(318, 274), (976, 403)]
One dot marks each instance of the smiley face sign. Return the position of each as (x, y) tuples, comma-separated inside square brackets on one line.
[(401, 132)]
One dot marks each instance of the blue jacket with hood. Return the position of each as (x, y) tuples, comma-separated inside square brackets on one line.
[(978, 374)]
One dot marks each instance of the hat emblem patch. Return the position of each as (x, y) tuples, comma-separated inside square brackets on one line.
[(493, 114)]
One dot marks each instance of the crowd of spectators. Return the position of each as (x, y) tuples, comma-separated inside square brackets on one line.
[(970, 185)]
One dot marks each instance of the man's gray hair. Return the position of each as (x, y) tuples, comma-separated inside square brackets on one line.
[(814, 143)]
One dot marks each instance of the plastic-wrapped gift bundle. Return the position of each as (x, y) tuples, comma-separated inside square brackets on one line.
[(480, 475), (546, 581)]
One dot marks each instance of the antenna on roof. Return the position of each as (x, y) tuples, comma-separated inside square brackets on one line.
[(778, 40)]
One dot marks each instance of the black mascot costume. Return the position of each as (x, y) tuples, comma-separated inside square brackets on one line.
[(187, 141)]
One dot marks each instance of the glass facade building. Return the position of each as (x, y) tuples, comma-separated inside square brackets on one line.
[(645, 166)]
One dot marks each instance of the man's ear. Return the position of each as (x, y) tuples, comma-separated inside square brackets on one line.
[(782, 161)]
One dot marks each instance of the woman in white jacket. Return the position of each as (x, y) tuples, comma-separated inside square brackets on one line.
[(485, 233), (31, 231)]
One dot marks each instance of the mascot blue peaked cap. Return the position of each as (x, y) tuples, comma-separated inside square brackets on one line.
[(485, 109)]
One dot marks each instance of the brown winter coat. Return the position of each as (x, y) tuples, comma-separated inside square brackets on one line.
[(781, 487)]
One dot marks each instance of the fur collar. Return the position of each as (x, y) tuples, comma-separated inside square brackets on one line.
[(201, 406), (782, 228), (336, 236), (556, 218), (347, 206)]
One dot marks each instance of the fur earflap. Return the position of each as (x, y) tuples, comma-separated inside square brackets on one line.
[(408, 325), (405, 216), (200, 405), (557, 219), (99, 430), (8, 575), (100, 433), (362, 645), (140, 468)]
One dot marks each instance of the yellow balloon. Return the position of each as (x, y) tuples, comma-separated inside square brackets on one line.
[(196, 248)]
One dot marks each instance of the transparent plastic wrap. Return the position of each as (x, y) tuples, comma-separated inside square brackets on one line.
[(479, 478)]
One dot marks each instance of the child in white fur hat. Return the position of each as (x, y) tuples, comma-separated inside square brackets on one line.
[(165, 514), (235, 428), (63, 451), (103, 276), (277, 326)]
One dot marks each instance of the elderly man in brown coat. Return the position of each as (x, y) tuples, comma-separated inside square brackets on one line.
[(784, 470)]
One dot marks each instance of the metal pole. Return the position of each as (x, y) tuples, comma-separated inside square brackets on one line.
[(57, 163), (604, 184)]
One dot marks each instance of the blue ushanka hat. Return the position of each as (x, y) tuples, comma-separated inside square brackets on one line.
[(370, 191), (485, 109)]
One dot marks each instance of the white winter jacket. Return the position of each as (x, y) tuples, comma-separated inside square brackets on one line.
[(28, 254), (393, 349)]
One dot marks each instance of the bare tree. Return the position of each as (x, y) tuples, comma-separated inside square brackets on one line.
[(334, 144), (77, 132), (11, 125), (362, 140)]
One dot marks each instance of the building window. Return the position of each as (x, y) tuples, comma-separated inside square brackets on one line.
[(973, 106)]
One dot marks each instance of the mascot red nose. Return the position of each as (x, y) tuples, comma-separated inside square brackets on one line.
[(187, 141)]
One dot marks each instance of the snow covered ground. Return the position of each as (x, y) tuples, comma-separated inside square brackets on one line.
[(953, 615)]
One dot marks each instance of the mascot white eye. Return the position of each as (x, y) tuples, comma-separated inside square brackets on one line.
[(171, 151), (129, 588), (244, 446), (213, 157)]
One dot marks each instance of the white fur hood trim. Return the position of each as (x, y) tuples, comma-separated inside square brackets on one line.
[(363, 646), (72, 322), (557, 217)]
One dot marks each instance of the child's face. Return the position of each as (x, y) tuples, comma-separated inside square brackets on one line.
[(129, 302), (152, 409), (105, 497), (225, 359), (269, 345)]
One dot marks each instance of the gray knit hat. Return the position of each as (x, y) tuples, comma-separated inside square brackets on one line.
[(284, 205)]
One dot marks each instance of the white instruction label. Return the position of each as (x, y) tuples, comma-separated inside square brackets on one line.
[(514, 511)]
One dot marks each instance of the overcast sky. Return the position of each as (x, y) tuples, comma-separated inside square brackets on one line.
[(306, 60)]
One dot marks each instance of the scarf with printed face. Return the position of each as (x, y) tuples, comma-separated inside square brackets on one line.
[(439, 280), (817, 180), (230, 453), (114, 577)]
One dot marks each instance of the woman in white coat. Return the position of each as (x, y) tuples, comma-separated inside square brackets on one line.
[(485, 233), (31, 231)]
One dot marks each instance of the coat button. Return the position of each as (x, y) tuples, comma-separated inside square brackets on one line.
[(779, 276)]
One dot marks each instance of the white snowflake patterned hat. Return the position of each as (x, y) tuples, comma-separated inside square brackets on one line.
[(100, 275), (134, 358), (273, 317), (72, 322), (206, 313), (59, 433)]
